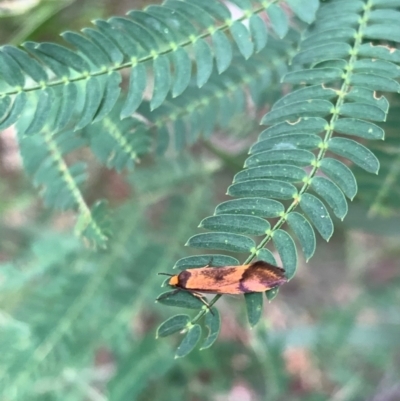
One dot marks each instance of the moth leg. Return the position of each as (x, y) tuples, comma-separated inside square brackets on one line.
[(209, 263), (202, 299)]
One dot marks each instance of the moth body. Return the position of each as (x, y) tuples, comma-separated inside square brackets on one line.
[(259, 276)]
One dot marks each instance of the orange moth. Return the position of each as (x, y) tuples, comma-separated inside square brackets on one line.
[(259, 276)]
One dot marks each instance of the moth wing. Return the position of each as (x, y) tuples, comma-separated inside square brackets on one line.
[(262, 276), (222, 280)]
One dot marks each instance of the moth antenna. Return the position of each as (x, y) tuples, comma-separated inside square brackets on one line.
[(166, 274)]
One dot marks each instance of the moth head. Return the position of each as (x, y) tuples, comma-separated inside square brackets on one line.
[(174, 280)]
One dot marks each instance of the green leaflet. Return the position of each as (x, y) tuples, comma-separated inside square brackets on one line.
[(281, 172), (289, 141), (114, 54), (214, 260), (364, 95), (342, 19), (213, 324), (334, 8), (59, 69), (305, 11), (42, 112), (385, 3), (355, 152), (204, 61), (183, 71), (334, 35), (11, 71), (313, 107), (218, 10), (305, 125), (65, 111), (271, 294), (263, 187), (304, 232), (223, 241), (378, 67), (93, 52), (384, 16), (192, 12), (380, 52), (387, 31), (297, 157), (144, 38), (258, 31), (5, 103), (236, 223), (182, 299), (360, 128), (254, 303), (173, 20), (110, 95), (267, 256), (242, 38), (137, 85), (172, 325), (162, 81), (156, 26), (341, 175), (125, 43), (261, 207), (375, 82), (222, 49), (362, 110), (314, 76), (331, 193), (279, 20), (28, 65), (309, 92), (317, 213), (332, 63), (188, 343), (15, 111), (287, 251), (323, 52), (93, 89)]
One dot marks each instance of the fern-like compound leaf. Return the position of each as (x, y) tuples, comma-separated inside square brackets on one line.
[(336, 74)]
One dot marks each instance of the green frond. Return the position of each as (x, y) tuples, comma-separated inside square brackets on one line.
[(165, 40), (44, 159), (339, 74), (51, 316)]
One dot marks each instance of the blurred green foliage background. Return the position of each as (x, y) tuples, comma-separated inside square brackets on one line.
[(78, 325)]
